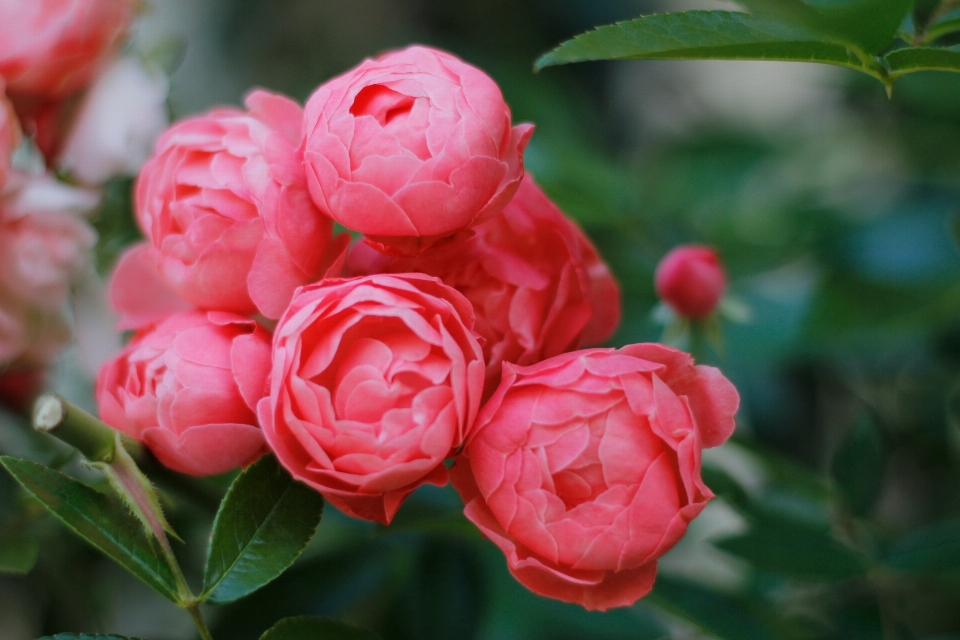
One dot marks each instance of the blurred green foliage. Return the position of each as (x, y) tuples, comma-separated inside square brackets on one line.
[(838, 511)]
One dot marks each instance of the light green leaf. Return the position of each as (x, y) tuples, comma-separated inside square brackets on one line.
[(931, 549), (796, 550), (311, 628), (714, 35), (86, 636), (951, 24), (18, 553), (263, 525), (98, 519), (857, 467), (904, 61)]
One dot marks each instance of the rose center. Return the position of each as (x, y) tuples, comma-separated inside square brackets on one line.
[(381, 103)]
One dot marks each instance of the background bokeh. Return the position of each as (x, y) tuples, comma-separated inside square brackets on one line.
[(836, 211)]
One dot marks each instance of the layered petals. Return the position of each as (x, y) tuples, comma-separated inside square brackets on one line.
[(537, 284), (585, 468), (224, 203), (411, 148), (375, 382), (188, 389), (52, 48)]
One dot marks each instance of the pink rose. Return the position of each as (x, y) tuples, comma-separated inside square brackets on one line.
[(44, 245), (55, 47), (690, 280), (9, 136), (375, 382), (536, 283), (188, 389), (224, 204), (585, 468), (411, 148)]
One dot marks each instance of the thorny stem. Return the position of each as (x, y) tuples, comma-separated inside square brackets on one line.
[(103, 447)]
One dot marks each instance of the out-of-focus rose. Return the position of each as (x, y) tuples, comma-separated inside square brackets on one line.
[(188, 389), (120, 118), (536, 283), (690, 280), (585, 468), (44, 244), (375, 382), (55, 47), (9, 135), (411, 148), (224, 203)]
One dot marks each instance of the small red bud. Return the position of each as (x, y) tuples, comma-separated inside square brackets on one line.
[(690, 280)]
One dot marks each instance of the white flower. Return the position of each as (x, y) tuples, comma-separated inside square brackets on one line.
[(120, 118)]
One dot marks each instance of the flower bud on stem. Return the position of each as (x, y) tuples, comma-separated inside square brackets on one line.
[(103, 448)]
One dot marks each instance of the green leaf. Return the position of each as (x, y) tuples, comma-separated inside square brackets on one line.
[(857, 467), (98, 519), (725, 616), (870, 25), (931, 549), (310, 628), (708, 35), (263, 525), (904, 61), (794, 549), (86, 636), (944, 27), (18, 553)]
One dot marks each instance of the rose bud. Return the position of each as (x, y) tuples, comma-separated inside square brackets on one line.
[(411, 148), (585, 468), (44, 246), (188, 389), (224, 203), (375, 382), (690, 280), (537, 285), (118, 121), (9, 136), (52, 48)]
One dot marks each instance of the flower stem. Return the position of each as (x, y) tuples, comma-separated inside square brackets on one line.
[(103, 447)]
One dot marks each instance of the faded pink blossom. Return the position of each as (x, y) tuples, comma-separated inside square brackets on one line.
[(53, 48), (375, 382), (537, 284), (9, 136), (412, 148), (585, 468), (224, 204), (44, 245), (690, 280), (188, 389)]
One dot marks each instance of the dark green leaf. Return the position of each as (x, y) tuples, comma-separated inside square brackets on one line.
[(857, 467), (308, 628), (723, 615), (868, 24), (85, 636), (263, 525), (714, 35), (904, 61), (794, 549), (98, 519), (931, 549), (18, 553)]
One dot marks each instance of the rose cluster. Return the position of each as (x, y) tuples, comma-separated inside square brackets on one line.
[(454, 330), (70, 105)]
